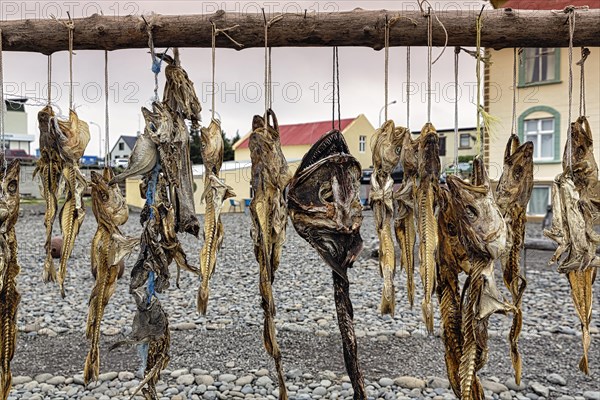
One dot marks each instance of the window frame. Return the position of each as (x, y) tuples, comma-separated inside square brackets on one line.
[(557, 127), (539, 133), (442, 146), (362, 143), (549, 189), (121, 146), (460, 137), (522, 71)]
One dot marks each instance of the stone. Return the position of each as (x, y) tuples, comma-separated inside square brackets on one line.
[(512, 385), (108, 376), (178, 372), (505, 395), (56, 380), (186, 380), (263, 381), (556, 379), (494, 386), (409, 382), (244, 380), (540, 389), (226, 378), (126, 376), (206, 380), (402, 333), (184, 326), (385, 382), (320, 391), (590, 395), (20, 380), (436, 382)]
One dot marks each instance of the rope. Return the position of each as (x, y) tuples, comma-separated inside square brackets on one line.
[(478, 73), (456, 53), (106, 119), (428, 14), (429, 63), (571, 33), (337, 71), (336, 90), (408, 87), (214, 43), (333, 89), (2, 106), (585, 52), (514, 99), (156, 62), (268, 88), (387, 60), (70, 25), (49, 79)]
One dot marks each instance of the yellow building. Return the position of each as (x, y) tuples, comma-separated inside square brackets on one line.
[(542, 108), (295, 139)]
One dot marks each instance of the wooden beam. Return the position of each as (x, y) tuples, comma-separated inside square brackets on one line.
[(501, 28)]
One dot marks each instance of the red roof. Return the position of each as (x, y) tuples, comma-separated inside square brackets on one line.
[(548, 4), (301, 134)]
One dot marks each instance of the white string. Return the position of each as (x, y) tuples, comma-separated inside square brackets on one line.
[(2, 106), (429, 63), (408, 87), (71, 26), (106, 121), (387, 59), (478, 74), (569, 138), (49, 79), (585, 52), (456, 52), (514, 99), (214, 43)]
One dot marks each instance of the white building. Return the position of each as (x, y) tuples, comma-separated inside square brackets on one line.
[(122, 148), (15, 126)]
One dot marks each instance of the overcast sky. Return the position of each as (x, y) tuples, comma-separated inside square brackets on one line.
[(301, 76)]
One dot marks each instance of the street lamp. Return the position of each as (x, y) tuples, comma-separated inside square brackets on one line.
[(382, 108), (99, 139)]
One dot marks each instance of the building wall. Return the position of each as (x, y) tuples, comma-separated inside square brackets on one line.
[(16, 122), (360, 127), (116, 153), (542, 101)]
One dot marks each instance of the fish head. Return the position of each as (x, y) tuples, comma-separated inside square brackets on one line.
[(516, 183), (429, 153), (324, 203), (159, 122), (387, 146), (212, 146), (579, 153), (108, 202), (481, 226), (9, 195)]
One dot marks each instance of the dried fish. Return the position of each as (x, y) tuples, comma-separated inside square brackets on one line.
[(144, 155), (404, 224), (512, 196), (111, 211), (49, 167), (387, 144), (482, 232), (9, 269), (270, 175), (425, 194), (215, 192), (325, 208)]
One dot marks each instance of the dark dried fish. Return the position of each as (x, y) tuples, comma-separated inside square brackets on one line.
[(325, 208)]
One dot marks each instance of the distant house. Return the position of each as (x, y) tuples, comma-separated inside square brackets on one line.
[(122, 148), (15, 136), (296, 139), (466, 144), (542, 103)]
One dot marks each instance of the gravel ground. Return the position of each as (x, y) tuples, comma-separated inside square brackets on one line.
[(221, 356)]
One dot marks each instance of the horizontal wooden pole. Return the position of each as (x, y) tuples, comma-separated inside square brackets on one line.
[(501, 29)]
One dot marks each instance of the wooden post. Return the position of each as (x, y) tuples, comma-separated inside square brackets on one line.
[(501, 29)]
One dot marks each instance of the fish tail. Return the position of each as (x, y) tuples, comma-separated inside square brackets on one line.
[(91, 369), (202, 299), (388, 300), (586, 340), (8, 310), (513, 337), (427, 310), (49, 274)]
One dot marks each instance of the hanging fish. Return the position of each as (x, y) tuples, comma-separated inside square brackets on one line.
[(425, 194), (215, 192), (482, 231), (268, 209), (49, 168), (179, 93), (324, 205), (111, 211), (386, 146), (404, 223), (9, 270), (144, 155), (512, 196)]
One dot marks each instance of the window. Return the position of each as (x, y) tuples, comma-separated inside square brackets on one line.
[(362, 144), (540, 200), (465, 141), (541, 125), (541, 133), (539, 65), (442, 146), (121, 146)]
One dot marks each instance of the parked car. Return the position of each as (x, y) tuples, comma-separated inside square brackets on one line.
[(463, 171), (121, 162), (397, 175), (21, 155)]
